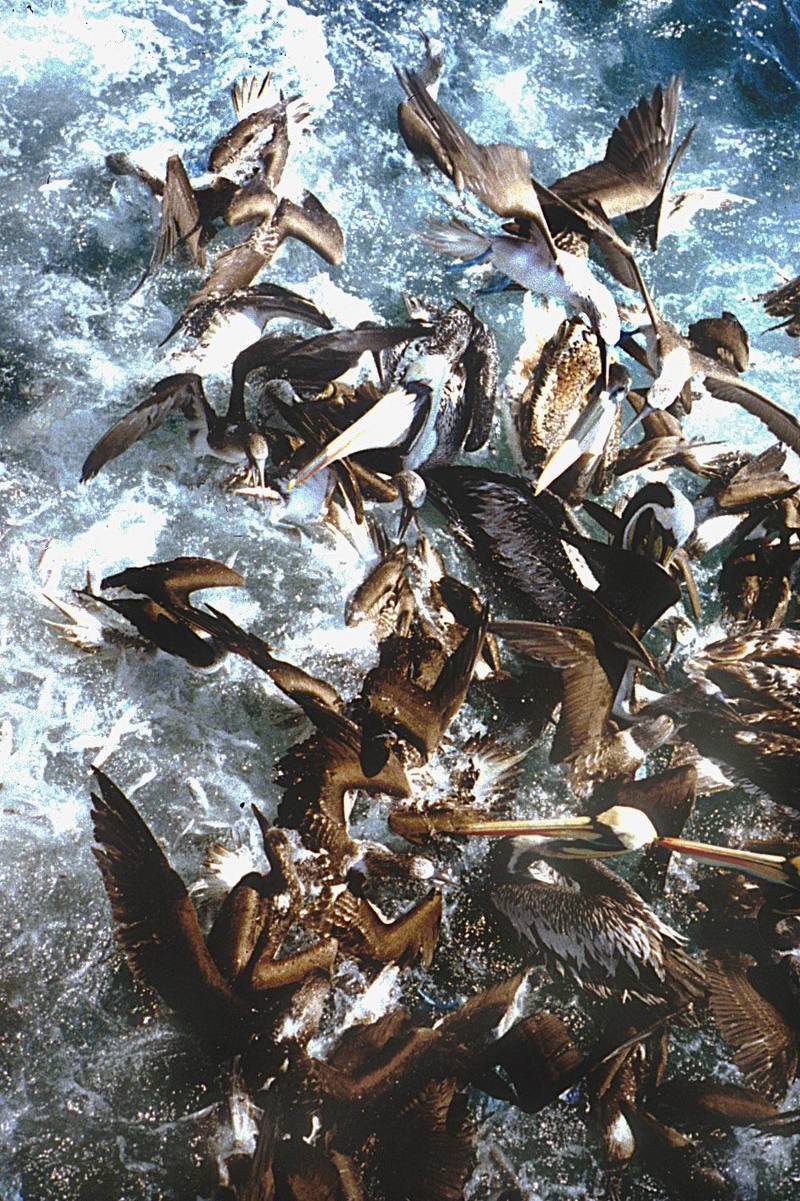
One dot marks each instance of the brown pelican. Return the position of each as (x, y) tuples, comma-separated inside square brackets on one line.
[(522, 543), (615, 831), (713, 1105), (589, 923)]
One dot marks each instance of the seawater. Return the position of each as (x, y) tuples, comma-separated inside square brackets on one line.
[(100, 1095)]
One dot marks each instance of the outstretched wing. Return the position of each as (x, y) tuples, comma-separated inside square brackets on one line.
[(157, 925), (497, 173), (168, 395), (176, 579)]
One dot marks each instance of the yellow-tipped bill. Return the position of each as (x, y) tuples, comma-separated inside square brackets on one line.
[(386, 424), (614, 832), (774, 869)]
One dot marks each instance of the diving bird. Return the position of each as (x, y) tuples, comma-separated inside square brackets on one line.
[(257, 145), (155, 589), (499, 175), (784, 301), (675, 360), (414, 130), (637, 164), (159, 933), (229, 436)]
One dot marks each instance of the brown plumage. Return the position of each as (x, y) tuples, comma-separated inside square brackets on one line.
[(763, 1042), (164, 587), (633, 170)]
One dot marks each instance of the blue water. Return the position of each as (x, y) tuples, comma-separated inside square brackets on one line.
[(100, 1097)]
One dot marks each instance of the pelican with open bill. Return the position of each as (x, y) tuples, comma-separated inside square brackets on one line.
[(615, 831)]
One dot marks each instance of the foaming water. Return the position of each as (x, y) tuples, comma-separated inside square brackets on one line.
[(100, 1096)]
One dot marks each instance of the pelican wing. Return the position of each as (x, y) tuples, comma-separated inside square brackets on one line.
[(157, 925), (183, 391), (728, 387), (764, 1044)]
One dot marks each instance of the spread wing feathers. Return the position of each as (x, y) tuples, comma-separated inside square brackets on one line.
[(450, 689), (175, 580), (319, 700), (654, 218), (233, 269), (238, 266), (234, 146), (157, 925), (585, 707), (311, 223), (636, 156), (183, 391), (320, 359), (428, 1155), (497, 173), (362, 929), (782, 424), (587, 695), (621, 260), (764, 1045), (180, 220), (610, 943), (481, 363), (248, 93)]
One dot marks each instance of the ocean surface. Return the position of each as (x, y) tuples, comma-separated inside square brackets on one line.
[(101, 1096)]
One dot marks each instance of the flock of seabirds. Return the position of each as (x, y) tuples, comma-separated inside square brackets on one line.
[(369, 428)]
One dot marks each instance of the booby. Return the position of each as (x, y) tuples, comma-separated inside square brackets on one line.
[(159, 586), (675, 360), (499, 175), (257, 145), (637, 165), (229, 436), (784, 301), (159, 933)]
